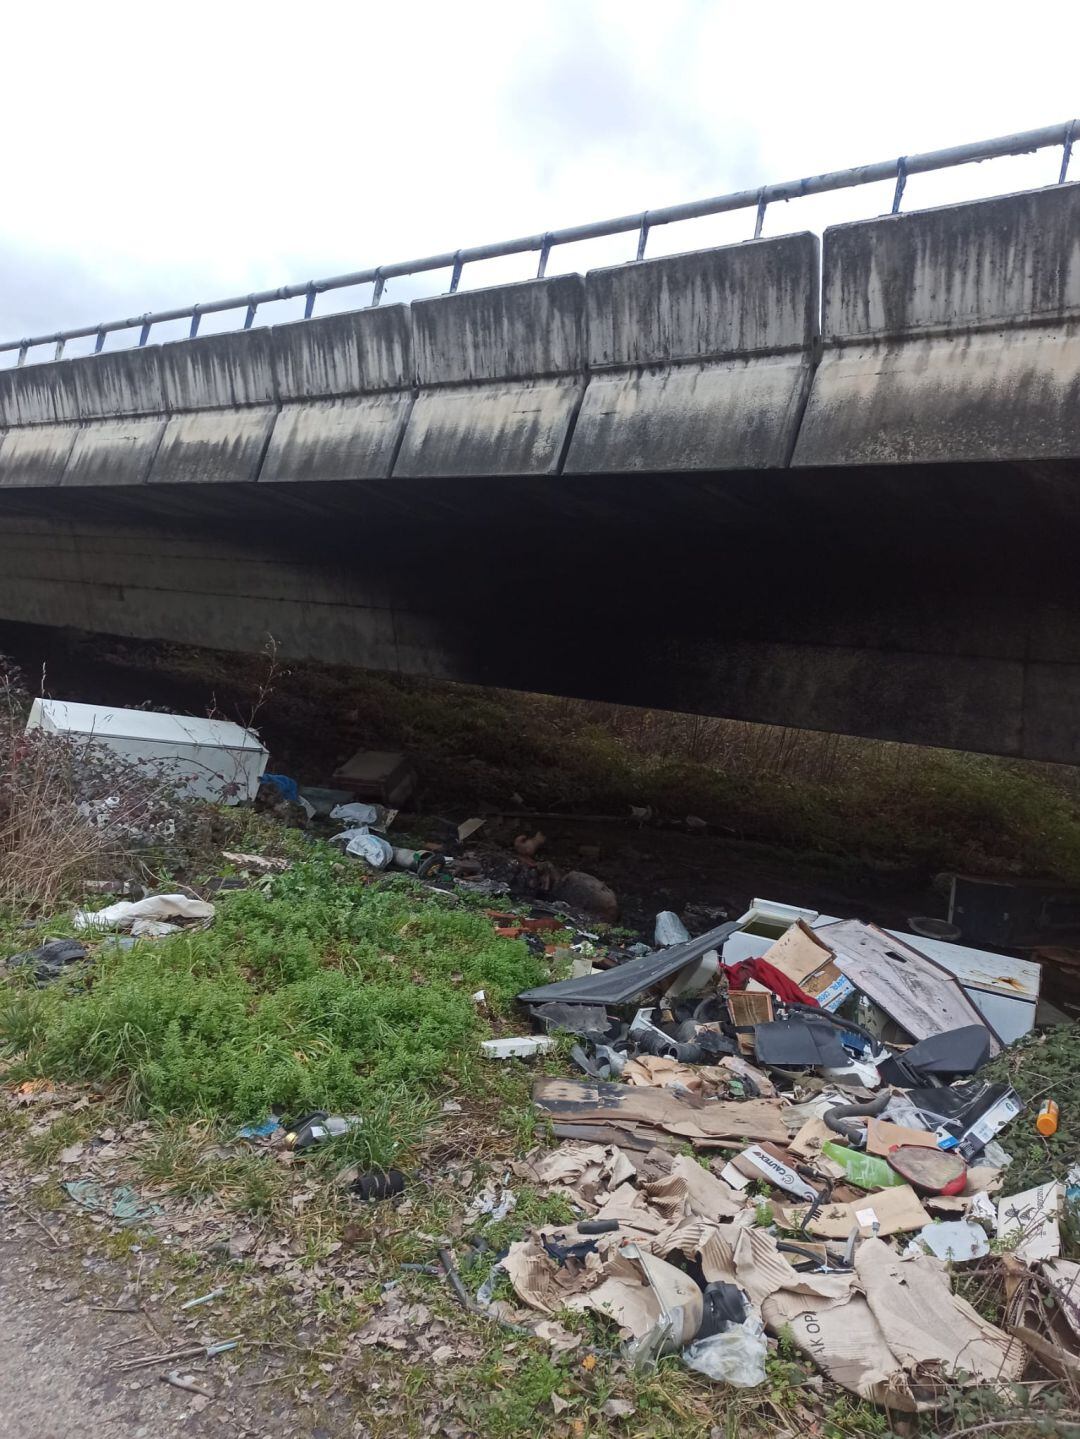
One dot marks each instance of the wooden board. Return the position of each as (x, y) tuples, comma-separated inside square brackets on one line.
[(921, 996)]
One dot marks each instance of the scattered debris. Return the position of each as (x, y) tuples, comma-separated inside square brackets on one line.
[(153, 916), (121, 1202), (49, 959), (377, 775), (524, 1047), (317, 1127), (202, 1299), (256, 863)]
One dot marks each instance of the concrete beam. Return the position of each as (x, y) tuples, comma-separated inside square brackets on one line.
[(221, 396), (345, 382), (112, 452), (698, 361), (213, 447), (348, 439), (35, 457), (501, 374), (950, 335)]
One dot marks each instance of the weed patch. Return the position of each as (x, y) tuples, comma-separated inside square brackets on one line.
[(322, 991)]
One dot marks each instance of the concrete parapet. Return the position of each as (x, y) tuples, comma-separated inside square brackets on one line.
[(950, 335), (698, 361), (501, 373)]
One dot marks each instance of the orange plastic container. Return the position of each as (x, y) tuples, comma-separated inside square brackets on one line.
[(1046, 1121)]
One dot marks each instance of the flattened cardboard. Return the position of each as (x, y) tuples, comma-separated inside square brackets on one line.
[(897, 1211), (881, 1136), (799, 953), (589, 1102)]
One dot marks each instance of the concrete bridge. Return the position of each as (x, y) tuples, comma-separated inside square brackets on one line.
[(832, 484)]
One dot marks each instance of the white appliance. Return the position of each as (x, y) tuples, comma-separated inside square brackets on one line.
[(210, 759)]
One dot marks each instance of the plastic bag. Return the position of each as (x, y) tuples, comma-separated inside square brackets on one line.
[(370, 847), (670, 929), (358, 813), (737, 1356)]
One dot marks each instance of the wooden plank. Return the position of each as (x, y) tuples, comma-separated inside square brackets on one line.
[(920, 995)]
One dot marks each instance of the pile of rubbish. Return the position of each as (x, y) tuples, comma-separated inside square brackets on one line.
[(848, 1160)]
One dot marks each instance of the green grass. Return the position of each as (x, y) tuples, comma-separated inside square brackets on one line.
[(323, 991), (1039, 1067)]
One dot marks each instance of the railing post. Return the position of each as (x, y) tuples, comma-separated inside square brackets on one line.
[(901, 183), (1066, 154)]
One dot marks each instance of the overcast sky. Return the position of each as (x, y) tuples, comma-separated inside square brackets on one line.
[(160, 154)]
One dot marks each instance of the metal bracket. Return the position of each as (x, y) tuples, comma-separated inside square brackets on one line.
[(58, 353), (545, 251), (309, 301), (759, 218), (249, 317), (99, 342), (643, 235), (144, 333), (376, 294), (195, 316), (1066, 155), (22, 354), (901, 182), (455, 273)]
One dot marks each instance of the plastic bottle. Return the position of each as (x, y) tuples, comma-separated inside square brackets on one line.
[(866, 1171), (1046, 1121), (318, 1126)]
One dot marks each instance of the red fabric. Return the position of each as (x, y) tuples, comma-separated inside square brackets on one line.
[(740, 975)]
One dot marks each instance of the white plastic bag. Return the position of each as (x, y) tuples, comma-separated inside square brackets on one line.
[(358, 813), (735, 1357), (370, 847), (157, 907), (670, 929)]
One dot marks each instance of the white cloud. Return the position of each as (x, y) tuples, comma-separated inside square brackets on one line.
[(158, 155)]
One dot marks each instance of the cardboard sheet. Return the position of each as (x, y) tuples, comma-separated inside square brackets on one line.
[(925, 1324), (1028, 1222), (1063, 1275), (590, 1101), (626, 1283), (889, 1332), (881, 1136), (798, 952), (696, 1191), (658, 1072), (807, 1143), (896, 1211)]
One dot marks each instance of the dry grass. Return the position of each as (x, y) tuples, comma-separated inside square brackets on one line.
[(47, 844), (72, 810)]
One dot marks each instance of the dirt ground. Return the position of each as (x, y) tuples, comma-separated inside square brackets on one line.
[(61, 1342)]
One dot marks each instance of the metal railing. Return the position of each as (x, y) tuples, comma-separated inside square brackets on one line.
[(900, 169)]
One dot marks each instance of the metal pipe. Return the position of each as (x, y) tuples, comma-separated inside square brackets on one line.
[(1022, 143)]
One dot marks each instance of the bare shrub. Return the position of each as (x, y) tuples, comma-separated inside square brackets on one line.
[(71, 810)]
